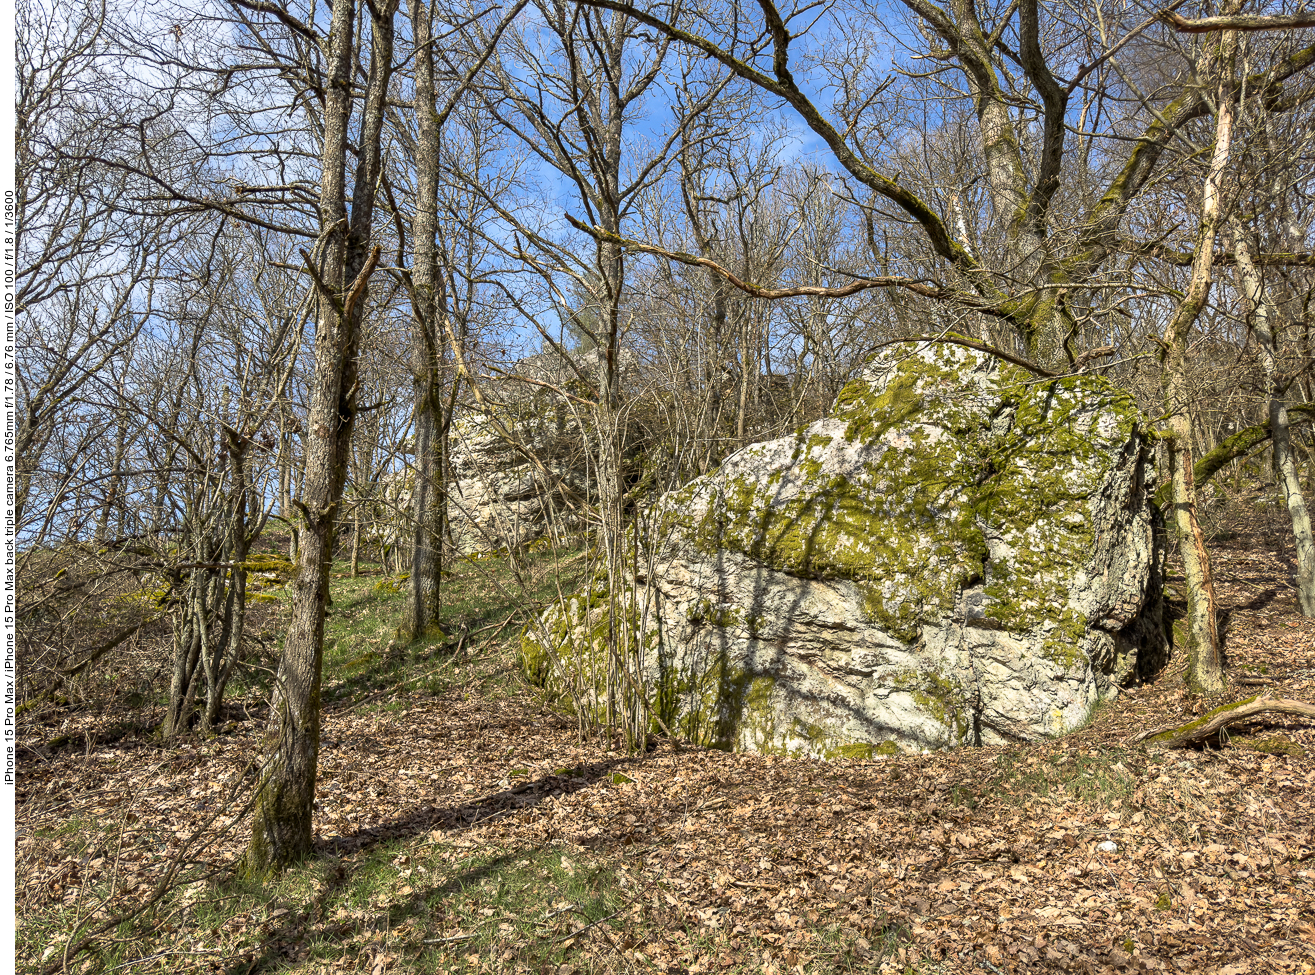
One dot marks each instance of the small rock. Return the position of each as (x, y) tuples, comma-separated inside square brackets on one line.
[(1108, 846)]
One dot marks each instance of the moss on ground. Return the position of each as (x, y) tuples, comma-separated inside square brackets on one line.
[(1270, 745)]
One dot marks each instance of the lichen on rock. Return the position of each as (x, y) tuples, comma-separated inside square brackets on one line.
[(958, 553)]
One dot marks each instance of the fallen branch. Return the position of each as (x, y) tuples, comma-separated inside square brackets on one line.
[(1209, 725)]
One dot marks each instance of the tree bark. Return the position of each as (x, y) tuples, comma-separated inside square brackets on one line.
[(281, 825), (112, 500), (1263, 315), (428, 504), (1205, 673), (356, 538)]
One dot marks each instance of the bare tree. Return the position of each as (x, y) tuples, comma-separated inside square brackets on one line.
[(1205, 663), (341, 264), (567, 89), (245, 331), (441, 285), (84, 269), (1005, 64), (1275, 296)]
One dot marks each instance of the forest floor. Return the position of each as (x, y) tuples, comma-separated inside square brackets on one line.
[(461, 826)]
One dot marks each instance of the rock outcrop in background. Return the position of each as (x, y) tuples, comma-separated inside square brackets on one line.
[(508, 491), (959, 553)]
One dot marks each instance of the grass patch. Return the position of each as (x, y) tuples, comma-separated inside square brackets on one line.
[(1102, 777), (487, 599)]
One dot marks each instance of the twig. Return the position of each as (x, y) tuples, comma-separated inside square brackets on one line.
[(592, 924), (463, 937), (501, 626), (444, 941)]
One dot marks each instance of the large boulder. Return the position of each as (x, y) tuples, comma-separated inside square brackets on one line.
[(959, 553)]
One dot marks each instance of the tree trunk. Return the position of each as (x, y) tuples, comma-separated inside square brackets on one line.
[(1205, 664), (1205, 672), (187, 652), (281, 825), (286, 510), (112, 499), (193, 608), (228, 648), (356, 538), (1237, 447), (422, 608), (1263, 321)]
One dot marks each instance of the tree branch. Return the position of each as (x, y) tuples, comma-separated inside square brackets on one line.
[(283, 16), (1223, 258), (1243, 22), (1239, 445), (783, 86), (968, 343), (771, 294)]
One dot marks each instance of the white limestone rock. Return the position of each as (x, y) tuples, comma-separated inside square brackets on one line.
[(957, 554)]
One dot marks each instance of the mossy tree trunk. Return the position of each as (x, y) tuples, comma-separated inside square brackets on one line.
[(342, 265), (1240, 444), (1209, 725), (1205, 673)]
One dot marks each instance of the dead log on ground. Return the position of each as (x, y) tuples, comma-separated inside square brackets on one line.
[(1209, 725)]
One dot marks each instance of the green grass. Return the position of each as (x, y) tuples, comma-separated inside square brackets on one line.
[(1103, 777), (362, 655), (432, 907)]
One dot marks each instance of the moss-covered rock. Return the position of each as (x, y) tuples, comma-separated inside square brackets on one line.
[(268, 570), (958, 553)]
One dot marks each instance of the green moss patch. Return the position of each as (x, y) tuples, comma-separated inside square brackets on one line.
[(1270, 745), (937, 474)]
